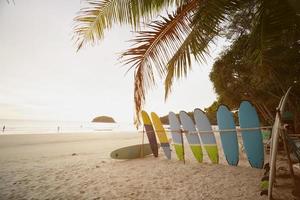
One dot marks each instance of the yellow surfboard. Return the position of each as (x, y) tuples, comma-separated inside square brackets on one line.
[(150, 132), (161, 134)]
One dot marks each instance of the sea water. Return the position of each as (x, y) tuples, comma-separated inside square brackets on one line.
[(11, 126)]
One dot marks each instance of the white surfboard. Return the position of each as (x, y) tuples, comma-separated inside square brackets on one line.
[(274, 142)]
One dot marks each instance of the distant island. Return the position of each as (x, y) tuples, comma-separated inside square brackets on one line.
[(104, 119)]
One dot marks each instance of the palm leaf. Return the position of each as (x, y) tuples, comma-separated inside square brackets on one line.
[(276, 25), (212, 13), (195, 44), (295, 4), (97, 16), (154, 48), (206, 23)]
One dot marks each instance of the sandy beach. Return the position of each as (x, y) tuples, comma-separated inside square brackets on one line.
[(77, 77), (78, 166)]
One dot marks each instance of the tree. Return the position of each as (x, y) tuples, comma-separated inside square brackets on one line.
[(211, 112), (169, 43), (242, 79)]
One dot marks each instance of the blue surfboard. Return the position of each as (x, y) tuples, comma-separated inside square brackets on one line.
[(191, 135), (228, 138), (252, 139), (176, 135), (206, 134)]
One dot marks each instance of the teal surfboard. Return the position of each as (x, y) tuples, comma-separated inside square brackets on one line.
[(206, 134), (228, 138), (252, 138), (191, 135), (132, 152), (176, 135)]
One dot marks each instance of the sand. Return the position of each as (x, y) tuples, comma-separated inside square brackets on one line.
[(78, 166)]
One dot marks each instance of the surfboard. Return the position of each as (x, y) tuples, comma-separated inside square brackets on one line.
[(252, 139), (132, 152), (206, 134), (191, 135), (176, 135), (150, 132), (274, 142), (228, 138), (161, 134)]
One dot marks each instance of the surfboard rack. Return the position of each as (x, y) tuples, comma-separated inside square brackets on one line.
[(219, 130)]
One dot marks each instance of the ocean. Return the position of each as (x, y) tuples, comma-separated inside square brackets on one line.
[(11, 126)]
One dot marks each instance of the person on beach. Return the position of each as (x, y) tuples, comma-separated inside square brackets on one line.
[(3, 129), (58, 128)]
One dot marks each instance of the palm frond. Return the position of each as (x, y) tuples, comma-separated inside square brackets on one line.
[(13, 1), (97, 16), (212, 13), (295, 4), (195, 44), (276, 24), (154, 48), (206, 23)]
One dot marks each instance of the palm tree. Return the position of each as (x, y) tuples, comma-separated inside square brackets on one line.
[(169, 43)]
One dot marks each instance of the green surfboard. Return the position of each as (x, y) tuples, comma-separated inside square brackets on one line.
[(132, 152)]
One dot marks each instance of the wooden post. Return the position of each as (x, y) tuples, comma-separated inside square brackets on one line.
[(181, 134), (142, 147)]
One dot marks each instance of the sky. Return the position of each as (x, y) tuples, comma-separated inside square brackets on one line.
[(43, 77)]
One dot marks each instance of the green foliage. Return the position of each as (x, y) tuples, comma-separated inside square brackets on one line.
[(211, 112), (104, 119), (236, 76), (165, 120), (264, 34), (263, 60)]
